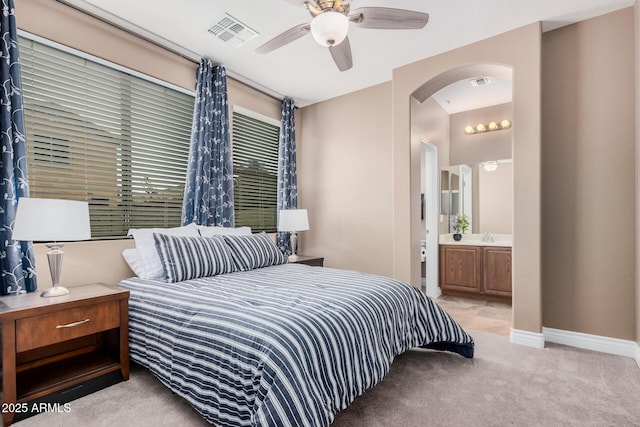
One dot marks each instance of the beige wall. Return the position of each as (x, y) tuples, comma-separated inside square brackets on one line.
[(588, 176), (431, 122), (520, 50), (86, 262), (470, 149), (637, 193), (243, 96), (344, 171)]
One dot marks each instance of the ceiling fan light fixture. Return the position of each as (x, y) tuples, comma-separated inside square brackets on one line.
[(330, 28)]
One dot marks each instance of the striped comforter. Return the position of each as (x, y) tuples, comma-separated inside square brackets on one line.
[(287, 345)]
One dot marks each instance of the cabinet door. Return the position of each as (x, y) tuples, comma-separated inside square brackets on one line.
[(461, 268), (497, 271)]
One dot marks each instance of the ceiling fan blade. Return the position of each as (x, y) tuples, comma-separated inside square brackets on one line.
[(288, 36), (385, 18), (341, 55)]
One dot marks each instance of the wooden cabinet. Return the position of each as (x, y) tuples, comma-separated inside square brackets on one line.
[(314, 261), (497, 271), (476, 271), (54, 347), (461, 268)]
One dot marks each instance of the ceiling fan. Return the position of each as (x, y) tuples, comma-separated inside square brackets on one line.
[(330, 24)]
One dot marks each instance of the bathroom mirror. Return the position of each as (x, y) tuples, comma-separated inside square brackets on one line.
[(483, 191)]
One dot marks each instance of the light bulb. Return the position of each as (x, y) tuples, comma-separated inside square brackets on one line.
[(469, 130), (506, 124), (481, 128)]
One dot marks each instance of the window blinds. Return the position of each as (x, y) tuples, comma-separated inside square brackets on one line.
[(255, 172), (98, 134)]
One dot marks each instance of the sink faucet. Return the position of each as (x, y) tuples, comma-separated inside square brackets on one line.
[(488, 237)]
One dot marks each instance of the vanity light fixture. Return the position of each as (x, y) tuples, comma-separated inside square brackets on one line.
[(481, 128)]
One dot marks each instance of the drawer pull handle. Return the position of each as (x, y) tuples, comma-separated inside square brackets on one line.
[(71, 325)]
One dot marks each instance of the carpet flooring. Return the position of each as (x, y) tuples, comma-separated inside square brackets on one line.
[(504, 385)]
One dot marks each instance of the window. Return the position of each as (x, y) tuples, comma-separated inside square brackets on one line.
[(99, 133), (255, 170)]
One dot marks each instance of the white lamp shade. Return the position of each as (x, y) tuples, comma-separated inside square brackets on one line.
[(51, 220), (330, 28), (293, 220)]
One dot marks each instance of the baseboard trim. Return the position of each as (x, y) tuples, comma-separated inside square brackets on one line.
[(593, 342), (529, 339)]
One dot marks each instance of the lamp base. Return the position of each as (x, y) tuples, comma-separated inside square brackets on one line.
[(54, 256), (293, 240), (55, 291)]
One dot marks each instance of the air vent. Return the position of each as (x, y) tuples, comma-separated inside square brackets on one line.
[(232, 31), (480, 81)]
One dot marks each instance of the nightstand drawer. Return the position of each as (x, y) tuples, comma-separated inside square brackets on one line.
[(39, 331)]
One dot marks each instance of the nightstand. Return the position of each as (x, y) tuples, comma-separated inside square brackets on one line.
[(314, 261), (57, 349)]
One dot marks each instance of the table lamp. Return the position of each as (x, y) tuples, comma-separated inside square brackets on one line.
[(52, 220), (293, 220)]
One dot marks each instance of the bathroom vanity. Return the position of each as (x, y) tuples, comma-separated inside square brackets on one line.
[(476, 267)]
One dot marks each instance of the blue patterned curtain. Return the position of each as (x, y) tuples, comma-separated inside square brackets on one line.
[(208, 193), (16, 258), (287, 181)]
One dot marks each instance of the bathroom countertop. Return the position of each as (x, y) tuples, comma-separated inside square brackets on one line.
[(504, 240)]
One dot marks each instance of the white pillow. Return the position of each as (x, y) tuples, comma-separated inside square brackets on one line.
[(132, 258), (146, 246), (223, 231)]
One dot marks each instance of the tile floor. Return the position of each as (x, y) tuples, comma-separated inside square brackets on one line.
[(487, 316)]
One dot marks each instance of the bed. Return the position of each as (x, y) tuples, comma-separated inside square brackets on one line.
[(282, 344)]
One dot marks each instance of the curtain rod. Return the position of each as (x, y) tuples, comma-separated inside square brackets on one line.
[(161, 42)]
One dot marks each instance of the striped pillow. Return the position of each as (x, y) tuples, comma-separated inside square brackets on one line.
[(254, 251), (187, 257)]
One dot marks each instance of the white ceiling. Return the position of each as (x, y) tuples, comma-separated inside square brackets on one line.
[(462, 96), (303, 69)]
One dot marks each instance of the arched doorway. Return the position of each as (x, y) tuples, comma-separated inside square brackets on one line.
[(485, 197), (520, 50)]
